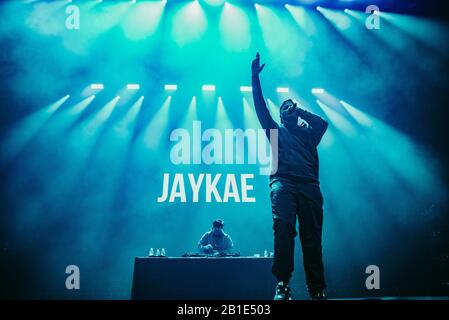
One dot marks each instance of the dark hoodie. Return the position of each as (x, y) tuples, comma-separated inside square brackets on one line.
[(297, 145)]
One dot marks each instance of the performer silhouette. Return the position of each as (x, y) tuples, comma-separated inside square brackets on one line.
[(295, 190)]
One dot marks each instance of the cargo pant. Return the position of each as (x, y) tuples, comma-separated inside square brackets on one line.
[(288, 204)]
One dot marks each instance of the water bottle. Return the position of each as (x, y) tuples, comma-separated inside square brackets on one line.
[(158, 253), (265, 254), (163, 252), (151, 253)]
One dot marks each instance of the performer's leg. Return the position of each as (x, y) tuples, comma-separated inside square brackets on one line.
[(310, 227), (283, 204)]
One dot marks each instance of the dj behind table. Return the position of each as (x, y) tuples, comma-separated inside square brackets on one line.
[(201, 276), (214, 273)]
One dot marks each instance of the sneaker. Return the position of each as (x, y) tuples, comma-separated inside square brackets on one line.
[(282, 291), (318, 296)]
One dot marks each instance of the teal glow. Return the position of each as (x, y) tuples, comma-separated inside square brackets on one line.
[(427, 30), (95, 20), (79, 107), (338, 120), (26, 129), (303, 19), (85, 135), (41, 19), (222, 120), (398, 153), (250, 122), (274, 110), (154, 131), (249, 115), (189, 23), (65, 119), (214, 2), (283, 40), (126, 126), (358, 115), (234, 28), (143, 20), (191, 114), (338, 18)]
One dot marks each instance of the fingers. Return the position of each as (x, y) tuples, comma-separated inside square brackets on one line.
[(257, 56), (261, 68)]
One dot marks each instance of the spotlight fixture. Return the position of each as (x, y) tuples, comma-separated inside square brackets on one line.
[(208, 87), (171, 87), (133, 87), (246, 89), (282, 90), (97, 86)]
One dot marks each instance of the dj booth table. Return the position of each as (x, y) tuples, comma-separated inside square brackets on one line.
[(230, 278)]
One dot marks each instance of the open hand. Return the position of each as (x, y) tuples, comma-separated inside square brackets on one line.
[(256, 68)]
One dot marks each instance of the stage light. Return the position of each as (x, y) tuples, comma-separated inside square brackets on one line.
[(273, 108), (249, 115), (214, 3), (235, 31), (27, 128), (282, 90), (222, 120), (190, 116), (171, 87), (338, 119), (346, 11), (125, 127), (189, 23), (80, 106), (317, 91), (337, 18), (133, 87), (97, 86), (208, 87), (246, 89)]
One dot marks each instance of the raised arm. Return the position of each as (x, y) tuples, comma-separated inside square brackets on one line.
[(318, 124), (264, 116)]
